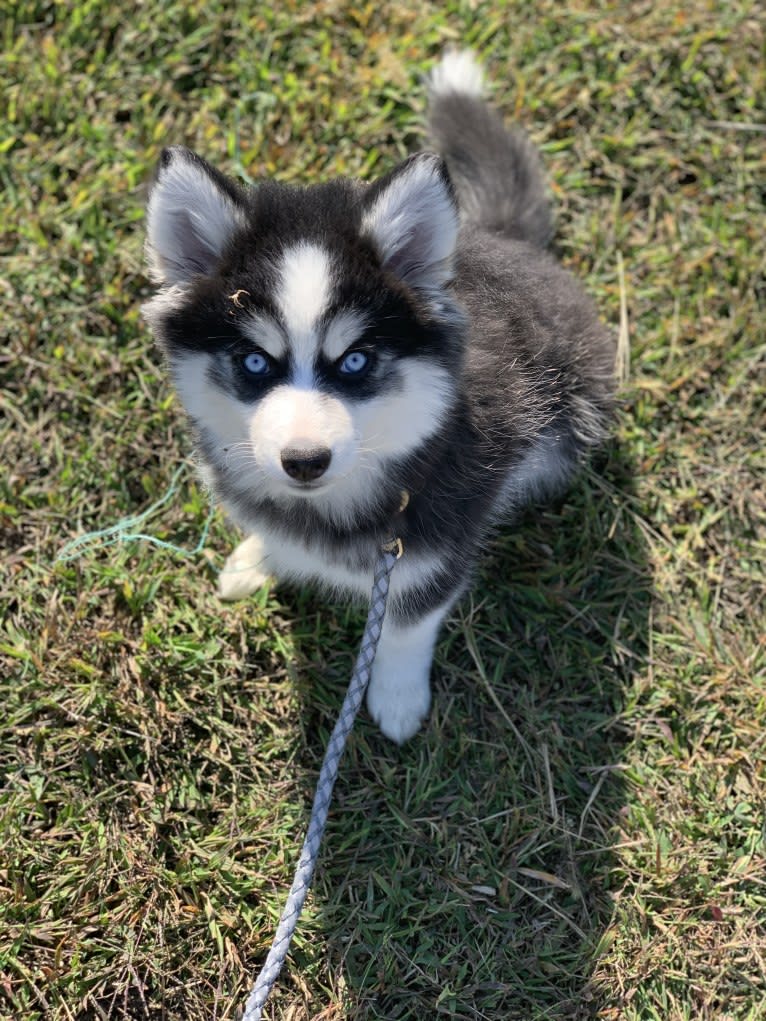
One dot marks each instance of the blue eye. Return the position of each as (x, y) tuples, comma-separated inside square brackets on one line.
[(353, 363), (255, 363)]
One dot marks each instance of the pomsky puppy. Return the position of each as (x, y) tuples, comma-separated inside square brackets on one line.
[(338, 345)]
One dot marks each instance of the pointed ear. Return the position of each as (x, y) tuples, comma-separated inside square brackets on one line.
[(411, 216), (192, 213)]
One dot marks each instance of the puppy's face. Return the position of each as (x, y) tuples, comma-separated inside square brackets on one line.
[(310, 333)]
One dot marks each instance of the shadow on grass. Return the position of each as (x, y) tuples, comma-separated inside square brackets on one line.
[(468, 874)]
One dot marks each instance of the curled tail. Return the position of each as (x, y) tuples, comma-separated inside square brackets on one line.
[(496, 172)]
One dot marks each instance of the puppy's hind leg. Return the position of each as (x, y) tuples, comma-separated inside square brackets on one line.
[(245, 571)]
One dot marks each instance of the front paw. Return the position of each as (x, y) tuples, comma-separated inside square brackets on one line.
[(245, 570), (399, 705)]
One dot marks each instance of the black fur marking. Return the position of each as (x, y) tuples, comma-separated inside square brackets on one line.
[(531, 365)]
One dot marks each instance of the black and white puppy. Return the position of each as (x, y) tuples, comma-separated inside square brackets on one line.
[(340, 344)]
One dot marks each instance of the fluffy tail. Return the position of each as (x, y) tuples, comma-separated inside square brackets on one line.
[(496, 172)]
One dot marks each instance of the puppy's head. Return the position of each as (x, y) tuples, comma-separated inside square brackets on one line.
[(311, 332)]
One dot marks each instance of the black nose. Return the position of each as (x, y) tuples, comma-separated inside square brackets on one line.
[(306, 465)]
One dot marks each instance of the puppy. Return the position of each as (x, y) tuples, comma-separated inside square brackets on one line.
[(340, 345)]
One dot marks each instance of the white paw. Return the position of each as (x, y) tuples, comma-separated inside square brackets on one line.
[(245, 570), (399, 705)]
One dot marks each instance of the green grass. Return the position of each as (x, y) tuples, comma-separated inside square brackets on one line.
[(579, 831)]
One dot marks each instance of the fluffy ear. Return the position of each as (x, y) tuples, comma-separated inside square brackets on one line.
[(192, 213), (412, 218)]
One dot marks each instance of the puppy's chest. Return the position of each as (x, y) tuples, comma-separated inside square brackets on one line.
[(347, 570)]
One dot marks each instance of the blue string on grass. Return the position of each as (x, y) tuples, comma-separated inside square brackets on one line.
[(123, 531)]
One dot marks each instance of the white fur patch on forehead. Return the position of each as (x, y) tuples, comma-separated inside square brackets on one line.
[(266, 334), (342, 332), (303, 294)]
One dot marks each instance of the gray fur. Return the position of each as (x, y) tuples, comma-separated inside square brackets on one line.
[(530, 363), (496, 172)]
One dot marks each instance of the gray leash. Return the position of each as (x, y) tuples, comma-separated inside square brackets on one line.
[(327, 775)]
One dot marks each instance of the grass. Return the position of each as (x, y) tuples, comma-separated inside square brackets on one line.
[(579, 831)]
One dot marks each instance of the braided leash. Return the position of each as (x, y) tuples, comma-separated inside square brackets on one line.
[(327, 775)]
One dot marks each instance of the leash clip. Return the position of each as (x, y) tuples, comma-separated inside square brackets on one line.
[(396, 545)]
